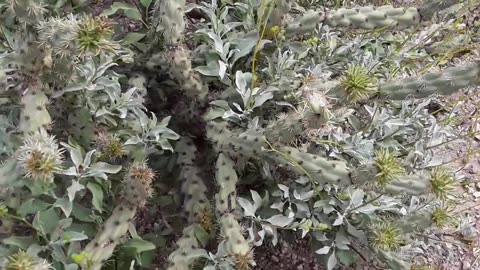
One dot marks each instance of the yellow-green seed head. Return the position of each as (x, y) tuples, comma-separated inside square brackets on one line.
[(109, 147), (388, 167), (20, 261), (93, 35), (358, 84), (440, 216), (442, 183), (385, 236)]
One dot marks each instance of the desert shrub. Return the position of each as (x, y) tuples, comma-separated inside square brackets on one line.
[(261, 117)]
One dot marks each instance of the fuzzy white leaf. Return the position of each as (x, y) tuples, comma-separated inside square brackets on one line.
[(324, 250), (248, 208), (280, 220)]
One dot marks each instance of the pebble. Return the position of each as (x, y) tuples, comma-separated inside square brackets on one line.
[(476, 194), (275, 259), (466, 266)]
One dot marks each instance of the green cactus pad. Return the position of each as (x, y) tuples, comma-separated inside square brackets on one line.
[(318, 168), (226, 198), (168, 20), (445, 82)]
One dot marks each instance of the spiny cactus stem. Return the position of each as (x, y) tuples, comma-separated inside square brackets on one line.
[(295, 164)]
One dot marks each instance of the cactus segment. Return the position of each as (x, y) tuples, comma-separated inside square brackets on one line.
[(235, 244), (318, 168), (34, 114), (115, 227), (412, 185), (235, 144), (370, 18), (430, 7), (168, 20), (445, 82), (195, 202), (137, 184), (282, 7), (177, 64), (188, 250), (227, 179)]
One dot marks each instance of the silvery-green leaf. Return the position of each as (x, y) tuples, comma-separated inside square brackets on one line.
[(285, 190), (97, 195), (222, 69), (303, 196), (332, 261), (88, 158), (360, 235), (133, 140), (271, 231), (339, 220), (356, 198), (46, 221), (73, 189), (278, 205), (240, 82), (66, 205), (324, 250), (280, 220), (248, 208), (257, 200), (75, 154), (341, 240), (105, 168), (70, 236)]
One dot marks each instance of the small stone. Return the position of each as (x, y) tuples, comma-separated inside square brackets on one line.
[(466, 266), (275, 259), (300, 267), (476, 194)]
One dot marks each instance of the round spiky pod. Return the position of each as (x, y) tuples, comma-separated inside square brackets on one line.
[(109, 147), (388, 167), (94, 35), (385, 236), (138, 183), (20, 261), (440, 216), (40, 156), (24, 261), (358, 84), (442, 182)]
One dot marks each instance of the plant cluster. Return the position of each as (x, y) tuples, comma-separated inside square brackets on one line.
[(262, 117)]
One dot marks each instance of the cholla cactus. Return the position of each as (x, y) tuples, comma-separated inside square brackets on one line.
[(168, 21), (187, 251)]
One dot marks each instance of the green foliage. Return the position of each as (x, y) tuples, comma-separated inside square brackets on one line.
[(219, 135)]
